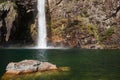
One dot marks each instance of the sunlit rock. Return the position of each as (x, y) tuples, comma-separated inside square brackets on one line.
[(34, 70), (89, 24), (29, 66)]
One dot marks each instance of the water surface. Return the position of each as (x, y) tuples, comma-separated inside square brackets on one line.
[(84, 64)]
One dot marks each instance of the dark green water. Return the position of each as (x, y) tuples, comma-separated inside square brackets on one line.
[(84, 64)]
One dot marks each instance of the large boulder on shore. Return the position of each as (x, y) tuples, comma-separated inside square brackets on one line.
[(29, 66)]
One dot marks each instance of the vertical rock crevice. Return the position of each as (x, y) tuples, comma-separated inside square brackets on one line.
[(18, 22)]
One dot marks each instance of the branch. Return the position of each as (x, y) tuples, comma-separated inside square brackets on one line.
[(58, 2), (115, 13)]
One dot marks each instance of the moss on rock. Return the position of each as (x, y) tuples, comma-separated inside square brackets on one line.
[(47, 75)]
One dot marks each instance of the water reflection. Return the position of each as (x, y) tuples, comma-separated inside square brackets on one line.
[(84, 64), (41, 55)]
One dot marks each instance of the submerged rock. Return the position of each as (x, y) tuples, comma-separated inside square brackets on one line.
[(29, 66)]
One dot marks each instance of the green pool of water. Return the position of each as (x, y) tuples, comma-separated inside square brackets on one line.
[(84, 64)]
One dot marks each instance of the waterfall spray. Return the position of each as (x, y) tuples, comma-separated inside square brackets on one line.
[(42, 42)]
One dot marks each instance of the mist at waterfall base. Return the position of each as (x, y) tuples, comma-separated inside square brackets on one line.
[(84, 64)]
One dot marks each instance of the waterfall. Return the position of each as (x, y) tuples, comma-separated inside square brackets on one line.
[(41, 42)]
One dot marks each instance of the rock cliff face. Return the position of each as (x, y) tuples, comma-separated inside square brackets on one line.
[(84, 23), (27, 10), (18, 22), (72, 23), (8, 20)]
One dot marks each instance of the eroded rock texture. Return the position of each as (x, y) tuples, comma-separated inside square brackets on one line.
[(29, 66), (70, 23), (8, 20), (84, 23), (18, 22)]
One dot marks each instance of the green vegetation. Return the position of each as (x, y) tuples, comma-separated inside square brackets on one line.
[(75, 24), (47, 75), (1, 1), (58, 26), (100, 38), (107, 33)]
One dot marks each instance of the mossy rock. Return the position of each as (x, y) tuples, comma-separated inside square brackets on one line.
[(1, 1), (46, 75)]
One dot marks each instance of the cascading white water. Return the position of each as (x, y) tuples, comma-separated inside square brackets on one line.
[(42, 32), (41, 43)]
